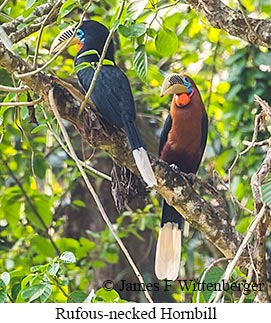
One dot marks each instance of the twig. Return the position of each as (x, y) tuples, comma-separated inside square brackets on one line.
[(17, 104), (41, 30), (100, 63), (248, 281), (63, 146), (31, 73), (13, 89), (252, 31), (32, 207), (261, 143), (254, 138), (206, 272), (242, 247), (94, 194), (3, 5)]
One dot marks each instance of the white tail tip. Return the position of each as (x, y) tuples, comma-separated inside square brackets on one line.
[(168, 252), (144, 166)]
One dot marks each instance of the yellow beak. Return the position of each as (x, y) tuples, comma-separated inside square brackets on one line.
[(65, 38), (173, 85)]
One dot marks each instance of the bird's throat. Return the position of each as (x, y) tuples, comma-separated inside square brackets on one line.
[(181, 100)]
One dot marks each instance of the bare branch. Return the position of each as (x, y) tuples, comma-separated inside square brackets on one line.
[(18, 104), (95, 196), (241, 249), (174, 187), (254, 31), (100, 63)]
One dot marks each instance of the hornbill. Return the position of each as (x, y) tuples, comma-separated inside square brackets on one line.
[(112, 95), (182, 143)]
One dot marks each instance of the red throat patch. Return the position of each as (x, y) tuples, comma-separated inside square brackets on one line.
[(80, 45), (182, 99)]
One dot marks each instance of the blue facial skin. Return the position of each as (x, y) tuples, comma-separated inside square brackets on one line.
[(80, 35), (187, 84)]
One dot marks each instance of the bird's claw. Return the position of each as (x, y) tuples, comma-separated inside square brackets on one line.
[(174, 167), (191, 177)]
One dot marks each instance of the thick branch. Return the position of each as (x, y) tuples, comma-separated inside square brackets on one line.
[(174, 187), (254, 31)]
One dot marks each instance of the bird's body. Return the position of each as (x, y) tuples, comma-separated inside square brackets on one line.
[(112, 94), (182, 143)]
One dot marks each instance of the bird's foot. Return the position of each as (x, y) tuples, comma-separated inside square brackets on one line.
[(174, 167), (191, 177)]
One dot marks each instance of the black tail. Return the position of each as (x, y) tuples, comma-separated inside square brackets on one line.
[(132, 134), (168, 250), (140, 154)]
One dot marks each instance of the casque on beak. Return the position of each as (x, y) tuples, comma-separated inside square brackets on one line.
[(173, 85), (62, 39)]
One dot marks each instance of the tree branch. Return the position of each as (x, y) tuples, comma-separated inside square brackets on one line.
[(252, 30), (174, 187)]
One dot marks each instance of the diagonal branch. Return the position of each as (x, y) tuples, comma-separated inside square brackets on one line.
[(173, 186), (252, 30)]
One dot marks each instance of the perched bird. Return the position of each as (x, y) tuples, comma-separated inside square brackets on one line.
[(112, 94), (182, 143)]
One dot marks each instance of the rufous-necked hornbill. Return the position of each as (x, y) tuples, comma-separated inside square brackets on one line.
[(112, 94), (182, 143)]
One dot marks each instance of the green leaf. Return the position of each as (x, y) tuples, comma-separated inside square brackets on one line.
[(213, 276), (89, 52), (3, 296), (107, 296), (166, 42), (40, 165), (5, 277), (151, 32), (46, 293), (42, 246), (81, 66), (3, 285), (15, 290), (68, 257), (36, 268), (42, 205), (77, 297), (67, 7), (53, 268), (39, 128), (24, 112), (108, 62), (134, 30), (78, 203), (31, 293), (135, 8), (141, 62), (29, 4)]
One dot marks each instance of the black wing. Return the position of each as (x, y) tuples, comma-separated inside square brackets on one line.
[(164, 133), (204, 130), (112, 94)]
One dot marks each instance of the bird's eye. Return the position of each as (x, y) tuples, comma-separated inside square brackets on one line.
[(80, 34), (186, 81)]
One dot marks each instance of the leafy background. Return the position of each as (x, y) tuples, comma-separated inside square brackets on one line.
[(54, 246)]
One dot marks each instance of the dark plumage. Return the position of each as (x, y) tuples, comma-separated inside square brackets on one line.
[(112, 94), (182, 142)]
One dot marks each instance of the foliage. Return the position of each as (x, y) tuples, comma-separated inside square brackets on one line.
[(39, 261)]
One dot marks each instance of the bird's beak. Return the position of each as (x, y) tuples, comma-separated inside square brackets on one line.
[(173, 85), (66, 36)]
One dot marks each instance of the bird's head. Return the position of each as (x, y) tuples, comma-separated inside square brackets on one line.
[(180, 86), (90, 36)]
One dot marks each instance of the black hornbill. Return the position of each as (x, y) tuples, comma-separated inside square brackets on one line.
[(182, 143), (112, 94)]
